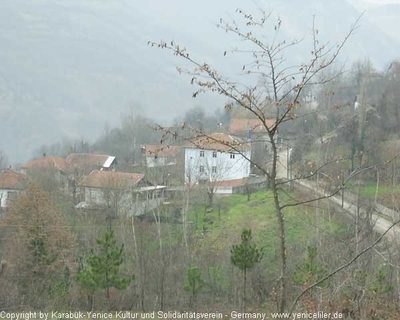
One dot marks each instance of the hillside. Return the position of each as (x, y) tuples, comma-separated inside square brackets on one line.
[(212, 234)]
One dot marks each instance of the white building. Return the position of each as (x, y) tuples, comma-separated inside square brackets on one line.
[(11, 184), (216, 157)]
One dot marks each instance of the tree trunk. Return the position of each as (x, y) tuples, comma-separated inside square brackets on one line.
[(244, 288), (281, 228)]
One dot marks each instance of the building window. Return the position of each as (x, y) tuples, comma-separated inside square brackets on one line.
[(214, 169), (232, 156), (11, 195), (202, 153), (201, 169), (214, 154)]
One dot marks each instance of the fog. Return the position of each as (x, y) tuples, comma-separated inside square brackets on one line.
[(71, 67)]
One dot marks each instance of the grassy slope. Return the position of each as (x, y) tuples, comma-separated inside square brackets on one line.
[(219, 234)]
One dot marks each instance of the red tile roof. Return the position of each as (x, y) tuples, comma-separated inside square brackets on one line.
[(84, 160), (47, 162), (161, 151), (13, 180), (242, 126), (112, 179), (394, 66), (219, 142), (229, 183), (222, 184)]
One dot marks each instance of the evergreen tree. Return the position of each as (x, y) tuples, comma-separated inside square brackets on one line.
[(245, 256), (102, 271), (311, 270), (193, 283)]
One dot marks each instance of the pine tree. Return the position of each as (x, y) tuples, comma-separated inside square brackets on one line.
[(102, 271), (193, 283), (245, 256)]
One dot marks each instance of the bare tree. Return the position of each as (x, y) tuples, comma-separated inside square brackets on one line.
[(3, 160), (278, 94), (41, 250)]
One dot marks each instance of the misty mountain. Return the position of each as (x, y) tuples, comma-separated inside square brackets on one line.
[(386, 18), (69, 67)]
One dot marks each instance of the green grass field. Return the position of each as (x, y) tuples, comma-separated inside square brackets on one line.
[(222, 227)]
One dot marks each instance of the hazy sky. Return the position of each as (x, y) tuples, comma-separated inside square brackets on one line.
[(365, 4), (79, 65), (382, 2)]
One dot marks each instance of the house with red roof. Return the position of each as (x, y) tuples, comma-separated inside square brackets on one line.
[(160, 155), (83, 163), (255, 132), (247, 128), (123, 192), (11, 184), (216, 157), (50, 166), (72, 170), (46, 162)]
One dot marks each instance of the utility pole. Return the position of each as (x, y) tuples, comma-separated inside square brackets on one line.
[(287, 161), (289, 165), (342, 174)]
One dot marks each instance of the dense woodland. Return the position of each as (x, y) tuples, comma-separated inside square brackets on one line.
[(227, 254)]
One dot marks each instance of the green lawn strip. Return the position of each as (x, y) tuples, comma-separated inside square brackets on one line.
[(386, 194)]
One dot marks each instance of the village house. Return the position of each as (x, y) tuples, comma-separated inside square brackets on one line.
[(82, 164), (394, 69), (51, 166), (123, 192), (255, 133), (216, 157), (70, 171), (11, 184), (249, 128), (160, 156)]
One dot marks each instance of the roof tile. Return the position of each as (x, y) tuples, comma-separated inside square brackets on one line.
[(10, 179), (161, 151), (219, 142), (112, 180), (84, 160), (242, 126), (47, 162)]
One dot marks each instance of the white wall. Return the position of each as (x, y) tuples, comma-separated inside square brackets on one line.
[(227, 168), (3, 196), (223, 190), (94, 196), (152, 162)]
